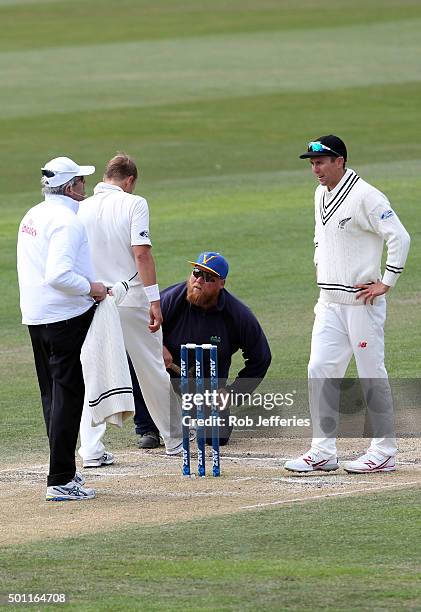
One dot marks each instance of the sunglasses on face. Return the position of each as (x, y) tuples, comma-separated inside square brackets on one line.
[(318, 147), (207, 276)]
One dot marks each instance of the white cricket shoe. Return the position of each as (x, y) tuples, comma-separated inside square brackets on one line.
[(312, 461), (105, 459), (72, 491), (79, 479), (174, 451), (371, 462)]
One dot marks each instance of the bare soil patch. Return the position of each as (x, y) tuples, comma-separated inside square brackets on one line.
[(145, 487)]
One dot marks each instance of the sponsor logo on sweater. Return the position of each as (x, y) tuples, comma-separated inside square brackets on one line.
[(362, 344), (387, 214)]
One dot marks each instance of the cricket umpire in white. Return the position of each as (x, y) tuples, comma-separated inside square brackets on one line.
[(352, 221), (57, 296), (117, 224)]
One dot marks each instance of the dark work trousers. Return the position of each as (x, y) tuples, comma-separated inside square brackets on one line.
[(142, 419), (57, 349)]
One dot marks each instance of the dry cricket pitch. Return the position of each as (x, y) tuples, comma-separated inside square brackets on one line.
[(146, 487)]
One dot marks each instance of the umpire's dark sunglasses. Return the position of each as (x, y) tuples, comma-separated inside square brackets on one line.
[(207, 276)]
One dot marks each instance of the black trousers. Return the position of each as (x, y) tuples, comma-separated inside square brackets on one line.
[(57, 349), (142, 419)]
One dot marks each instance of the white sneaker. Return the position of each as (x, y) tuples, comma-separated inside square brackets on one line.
[(106, 459), (175, 451), (312, 461), (371, 463), (79, 479), (72, 491)]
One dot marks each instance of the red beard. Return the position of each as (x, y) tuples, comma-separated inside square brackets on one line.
[(199, 298)]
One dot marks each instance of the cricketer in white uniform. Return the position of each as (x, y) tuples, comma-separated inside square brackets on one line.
[(117, 224), (352, 221)]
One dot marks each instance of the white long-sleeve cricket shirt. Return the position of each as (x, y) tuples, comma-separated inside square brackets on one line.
[(54, 263)]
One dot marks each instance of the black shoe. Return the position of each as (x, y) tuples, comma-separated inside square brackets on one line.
[(222, 441), (224, 430), (149, 440)]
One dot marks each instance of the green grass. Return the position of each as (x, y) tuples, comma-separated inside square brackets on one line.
[(218, 138), (140, 74), (35, 24), (216, 119), (356, 553), (216, 100)]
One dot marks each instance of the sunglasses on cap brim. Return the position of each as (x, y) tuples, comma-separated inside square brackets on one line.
[(318, 147), (48, 173)]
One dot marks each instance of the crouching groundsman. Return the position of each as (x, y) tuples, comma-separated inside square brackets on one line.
[(202, 311)]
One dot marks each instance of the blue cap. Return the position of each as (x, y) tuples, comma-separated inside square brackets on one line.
[(212, 262)]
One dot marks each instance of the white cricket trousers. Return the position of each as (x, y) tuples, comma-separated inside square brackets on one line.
[(145, 350), (340, 331)]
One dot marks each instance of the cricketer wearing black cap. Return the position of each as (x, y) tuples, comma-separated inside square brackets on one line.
[(327, 155), (329, 145), (353, 222)]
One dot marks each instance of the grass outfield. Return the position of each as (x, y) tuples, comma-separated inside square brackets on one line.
[(356, 553), (216, 100)]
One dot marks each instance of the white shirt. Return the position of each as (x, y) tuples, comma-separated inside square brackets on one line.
[(352, 223), (54, 264), (115, 221)]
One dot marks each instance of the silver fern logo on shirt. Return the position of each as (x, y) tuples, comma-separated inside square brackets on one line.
[(343, 222)]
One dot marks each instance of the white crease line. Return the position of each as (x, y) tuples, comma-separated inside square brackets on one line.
[(246, 457), (135, 474), (313, 481), (254, 458), (112, 474), (305, 499), (31, 469), (140, 453)]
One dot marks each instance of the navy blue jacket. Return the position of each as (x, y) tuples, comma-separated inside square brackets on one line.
[(230, 325)]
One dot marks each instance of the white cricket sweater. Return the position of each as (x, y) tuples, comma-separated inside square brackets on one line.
[(352, 223)]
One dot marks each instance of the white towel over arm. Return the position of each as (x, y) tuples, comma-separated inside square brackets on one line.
[(108, 385)]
